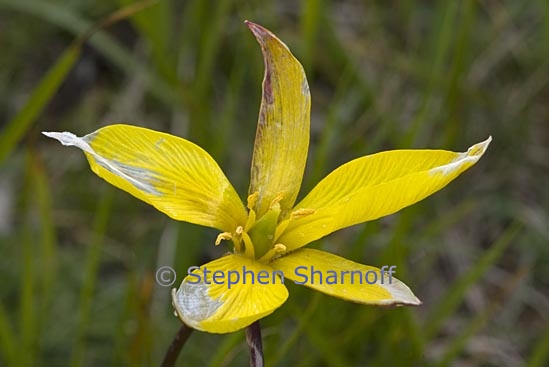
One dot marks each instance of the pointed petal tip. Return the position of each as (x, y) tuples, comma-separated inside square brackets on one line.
[(402, 295), (400, 303), (49, 134), (256, 29), (263, 35), (67, 138), (479, 149), (486, 142), (413, 302)]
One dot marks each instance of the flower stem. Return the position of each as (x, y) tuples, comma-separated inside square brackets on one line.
[(253, 338), (176, 345)]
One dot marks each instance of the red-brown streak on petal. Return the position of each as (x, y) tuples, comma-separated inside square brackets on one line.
[(262, 34), (267, 88)]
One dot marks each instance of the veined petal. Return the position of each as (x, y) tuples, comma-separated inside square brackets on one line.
[(235, 297), (282, 138), (373, 186), (344, 279), (174, 175)]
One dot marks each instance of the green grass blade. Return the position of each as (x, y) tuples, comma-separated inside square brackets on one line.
[(29, 298), (443, 36), (93, 257), (154, 23), (202, 84), (41, 95), (226, 120), (8, 341), (48, 249), (62, 17), (312, 15)]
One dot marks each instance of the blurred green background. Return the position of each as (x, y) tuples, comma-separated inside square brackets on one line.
[(78, 257)]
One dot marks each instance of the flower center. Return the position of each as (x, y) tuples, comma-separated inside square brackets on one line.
[(262, 232), (256, 239)]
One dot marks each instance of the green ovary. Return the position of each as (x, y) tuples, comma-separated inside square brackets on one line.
[(263, 231)]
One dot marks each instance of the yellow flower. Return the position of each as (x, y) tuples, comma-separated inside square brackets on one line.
[(182, 180)]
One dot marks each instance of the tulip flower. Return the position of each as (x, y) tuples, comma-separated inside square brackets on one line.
[(268, 233)]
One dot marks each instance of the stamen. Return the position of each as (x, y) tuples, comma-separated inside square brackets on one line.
[(301, 213), (252, 199), (277, 249), (277, 199), (223, 236), (280, 247), (249, 250), (251, 219)]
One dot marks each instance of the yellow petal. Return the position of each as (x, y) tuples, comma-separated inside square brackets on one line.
[(241, 291), (282, 137), (174, 175), (345, 279), (373, 186)]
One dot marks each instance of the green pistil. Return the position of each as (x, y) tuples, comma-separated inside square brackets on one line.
[(263, 231)]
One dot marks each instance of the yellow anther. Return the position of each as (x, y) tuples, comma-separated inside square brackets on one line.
[(223, 236), (252, 199), (239, 230), (277, 249), (301, 213), (277, 199)]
